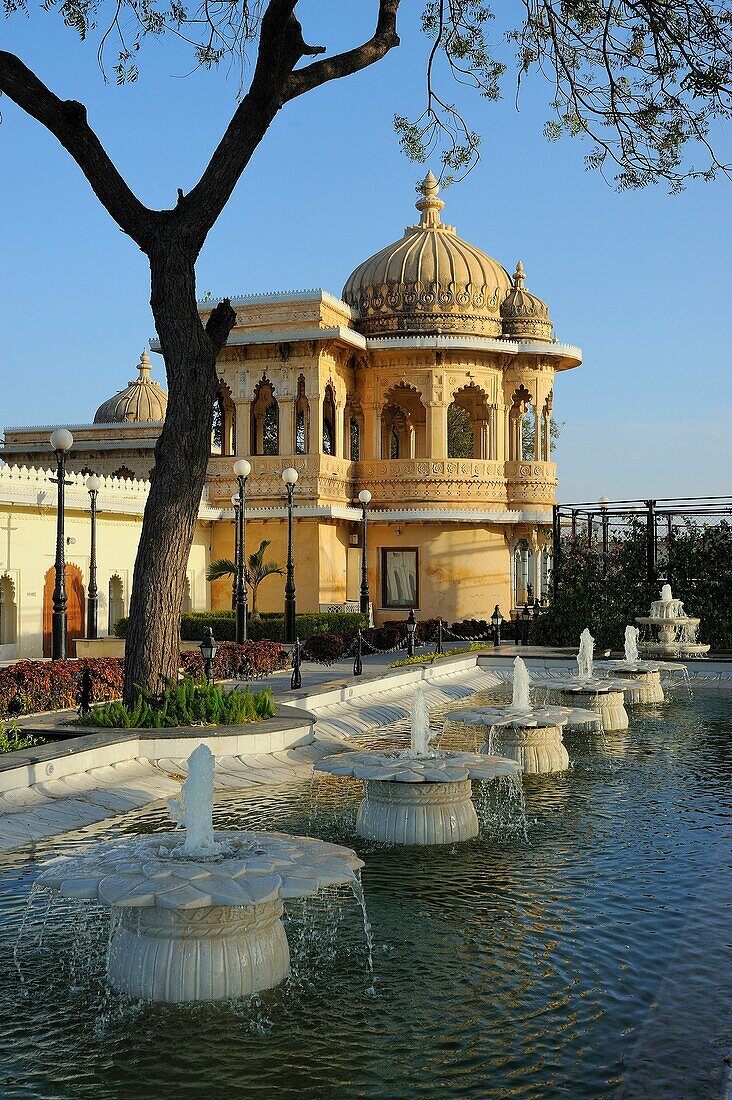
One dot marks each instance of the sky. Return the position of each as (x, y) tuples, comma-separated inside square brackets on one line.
[(639, 280)]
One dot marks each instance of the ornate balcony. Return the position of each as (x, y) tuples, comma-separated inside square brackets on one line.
[(531, 482), (322, 478), (434, 481)]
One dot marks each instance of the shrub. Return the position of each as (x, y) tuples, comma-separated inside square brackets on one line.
[(269, 627), (472, 628), (185, 704), (327, 648), (12, 738), (247, 661), (426, 658)]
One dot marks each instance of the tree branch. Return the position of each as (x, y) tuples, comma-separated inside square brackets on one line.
[(383, 39), (67, 121)]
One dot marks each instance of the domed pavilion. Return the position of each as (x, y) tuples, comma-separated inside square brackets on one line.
[(429, 382)]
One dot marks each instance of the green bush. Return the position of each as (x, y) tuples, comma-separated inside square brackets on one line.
[(185, 704), (270, 627), (12, 738)]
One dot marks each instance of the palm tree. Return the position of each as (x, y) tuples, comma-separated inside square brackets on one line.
[(256, 572)]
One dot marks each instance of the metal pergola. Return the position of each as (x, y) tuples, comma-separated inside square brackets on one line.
[(663, 512)]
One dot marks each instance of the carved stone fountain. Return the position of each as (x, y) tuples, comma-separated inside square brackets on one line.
[(646, 675), (196, 914), (675, 632), (419, 796)]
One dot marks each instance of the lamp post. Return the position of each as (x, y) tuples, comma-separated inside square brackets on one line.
[(235, 578), (242, 469), (289, 476), (93, 484), (411, 631), (364, 497), (496, 620), (62, 441), (603, 502), (525, 620), (209, 648)]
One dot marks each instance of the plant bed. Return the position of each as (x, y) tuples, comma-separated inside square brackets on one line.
[(185, 704)]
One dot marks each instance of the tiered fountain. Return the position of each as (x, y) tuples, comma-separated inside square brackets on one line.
[(675, 632), (421, 795), (530, 735), (646, 675), (196, 915)]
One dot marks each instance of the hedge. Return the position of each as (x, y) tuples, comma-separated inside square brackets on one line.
[(31, 687), (193, 625)]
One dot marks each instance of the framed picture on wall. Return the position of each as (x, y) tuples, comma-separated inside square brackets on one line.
[(399, 578)]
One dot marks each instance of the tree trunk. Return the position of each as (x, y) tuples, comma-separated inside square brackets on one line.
[(181, 458)]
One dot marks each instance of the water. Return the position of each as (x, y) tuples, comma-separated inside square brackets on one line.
[(421, 734), (521, 695), (193, 807), (631, 644), (587, 955), (584, 657)]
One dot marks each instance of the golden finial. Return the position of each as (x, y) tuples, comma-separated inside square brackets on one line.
[(519, 277), (144, 365)]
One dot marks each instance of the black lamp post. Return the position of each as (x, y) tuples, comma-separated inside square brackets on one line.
[(209, 648), (62, 441), (92, 595), (496, 620), (411, 631), (525, 620), (289, 476), (364, 497), (234, 579), (242, 469)]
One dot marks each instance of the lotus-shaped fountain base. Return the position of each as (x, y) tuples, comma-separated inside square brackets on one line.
[(413, 799), (605, 699), (199, 929), (646, 684)]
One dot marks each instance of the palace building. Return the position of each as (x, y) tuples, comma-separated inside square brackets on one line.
[(429, 382)]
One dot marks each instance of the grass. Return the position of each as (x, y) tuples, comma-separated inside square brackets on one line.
[(185, 704)]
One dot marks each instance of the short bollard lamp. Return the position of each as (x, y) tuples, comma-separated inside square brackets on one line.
[(62, 441), (93, 485), (411, 631), (496, 620), (209, 648), (242, 470)]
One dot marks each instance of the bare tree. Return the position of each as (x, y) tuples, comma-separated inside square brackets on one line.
[(643, 80)]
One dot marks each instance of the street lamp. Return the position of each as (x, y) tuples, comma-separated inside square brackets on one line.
[(209, 648), (62, 441), (242, 470), (93, 484), (289, 476), (364, 496), (496, 620), (603, 502), (411, 631), (234, 580), (525, 620)]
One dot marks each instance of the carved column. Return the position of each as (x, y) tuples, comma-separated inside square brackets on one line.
[(287, 424), (242, 444), (437, 430)]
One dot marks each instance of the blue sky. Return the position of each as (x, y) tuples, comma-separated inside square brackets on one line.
[(638, 280)]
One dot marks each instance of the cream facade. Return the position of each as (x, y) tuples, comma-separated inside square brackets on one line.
[(429, 382)]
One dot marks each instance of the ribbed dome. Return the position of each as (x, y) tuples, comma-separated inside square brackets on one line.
[(142, 401), (429, 281), (525, 317)]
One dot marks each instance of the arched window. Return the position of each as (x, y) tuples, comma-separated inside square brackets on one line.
[(124, 473), (353, 420), (115, 601), (403, 424), (354, 436), (187, 602), (329, 421), (8, 612), (223, 434), (302, 419), (520, 404), (523, 571), (265, 422), (469, 424)]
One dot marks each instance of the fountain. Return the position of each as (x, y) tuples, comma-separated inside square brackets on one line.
[(196, 916), (676, 633), (646, 675), (421, 795), (604, 696), (532, 736)]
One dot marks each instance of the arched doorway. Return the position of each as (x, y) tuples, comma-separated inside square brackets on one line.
[(115, 602), (8, 612), (74, 609)]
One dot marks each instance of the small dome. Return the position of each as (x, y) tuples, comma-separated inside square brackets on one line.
[(143, 401), (429, 281), (524, 316)]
